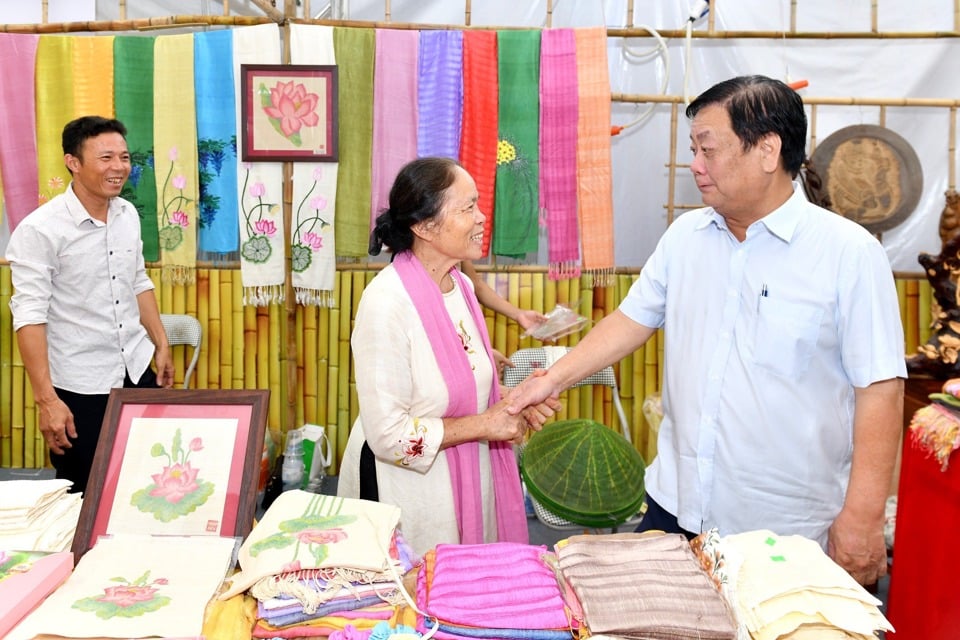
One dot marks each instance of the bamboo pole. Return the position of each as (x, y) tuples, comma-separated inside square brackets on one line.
[(793, 16), (944, 103), (386, 10), (123, 9), (211, 357), (874, 22), (629, 13), (549, 20), (142, 24), (226, 7), (272, 12), (6, 367), (672, 172), (45, 11), (952, 149)]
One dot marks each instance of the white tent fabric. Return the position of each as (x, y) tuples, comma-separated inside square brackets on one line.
[(836, 68)]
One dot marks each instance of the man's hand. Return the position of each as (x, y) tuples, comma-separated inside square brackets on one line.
[(533, 391), (56, 425), (858, 546), (164, 363)]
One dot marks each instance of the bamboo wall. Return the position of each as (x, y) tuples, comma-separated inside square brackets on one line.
[(242, 350)]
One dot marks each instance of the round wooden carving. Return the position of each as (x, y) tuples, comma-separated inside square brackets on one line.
[(870, 174)]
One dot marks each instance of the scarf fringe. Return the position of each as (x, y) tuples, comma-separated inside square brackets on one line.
[(314, 297), (178, 274), (602, 277), (564, 270), (303, 586), (935, 431), (263, 295)]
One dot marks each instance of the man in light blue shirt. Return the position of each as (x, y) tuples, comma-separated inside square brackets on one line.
[(784, 352)]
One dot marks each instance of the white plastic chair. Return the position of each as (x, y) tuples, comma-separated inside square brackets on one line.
[(524, 362), (184, 329)]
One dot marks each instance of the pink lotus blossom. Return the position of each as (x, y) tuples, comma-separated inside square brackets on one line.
[(180, 218), (312, 240), (318, 202), (257, 189), (291, 566), (125, 596), (293, 106), (179, 181), (318, 174), (265, 227), (196, 444), (173, 154), (174, 482), (321, 536)]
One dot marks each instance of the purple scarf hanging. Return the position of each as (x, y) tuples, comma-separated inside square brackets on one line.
[(463, 459), (440, 89)]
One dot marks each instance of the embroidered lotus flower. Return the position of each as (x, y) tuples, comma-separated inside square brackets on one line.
[(257, 190), (129, 599), (175, 482), (318, 203), (180, 219), (310, 533), (321, 536), (174, 218), (291, 107), (265, 227), (312, 240), (177, 489), (309, 226), (257, 247)]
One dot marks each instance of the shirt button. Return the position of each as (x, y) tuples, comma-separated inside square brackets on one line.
[(113, 277), (111, 253), (116, 302)]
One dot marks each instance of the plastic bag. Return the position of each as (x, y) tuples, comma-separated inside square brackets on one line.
[(560, 322)]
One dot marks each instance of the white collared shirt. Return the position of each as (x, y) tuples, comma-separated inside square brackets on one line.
[(765, 341), (81, 278)]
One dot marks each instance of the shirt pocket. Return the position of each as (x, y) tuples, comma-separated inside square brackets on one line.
[(786, 336)]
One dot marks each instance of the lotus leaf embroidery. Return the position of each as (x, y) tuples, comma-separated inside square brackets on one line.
[(126, 600), (315, 532), (176, 490), (307, 234), (257, 248)]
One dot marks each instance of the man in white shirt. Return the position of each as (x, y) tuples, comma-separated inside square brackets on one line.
[(83, 306), (784, 352)]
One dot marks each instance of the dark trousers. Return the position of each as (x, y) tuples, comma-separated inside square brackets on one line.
[(88, 411), (657, 518)]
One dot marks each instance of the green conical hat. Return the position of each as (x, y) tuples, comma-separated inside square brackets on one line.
[(584, 472)]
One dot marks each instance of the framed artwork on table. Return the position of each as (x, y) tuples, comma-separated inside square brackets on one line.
[(175, 462), (289, 113)]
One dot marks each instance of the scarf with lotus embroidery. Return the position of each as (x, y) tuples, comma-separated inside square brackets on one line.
[(216, 143), (312, 249), (259, 186), (18, 146), (133, 91), (175, 143), (463, 459)]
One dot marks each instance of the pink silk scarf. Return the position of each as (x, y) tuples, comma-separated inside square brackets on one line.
[(558, 150), (394, 112), (463, 459), (18, 146)]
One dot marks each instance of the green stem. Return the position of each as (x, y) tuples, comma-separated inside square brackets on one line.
[(243, 195), (299, 208), (163, 194)]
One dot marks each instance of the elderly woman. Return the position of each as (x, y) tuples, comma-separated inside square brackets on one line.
[(433, 436)]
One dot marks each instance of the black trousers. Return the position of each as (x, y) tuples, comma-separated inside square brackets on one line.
[(657, 518), (88, 411)]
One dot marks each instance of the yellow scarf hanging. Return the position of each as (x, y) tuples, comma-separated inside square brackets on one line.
[(175, 157), (93, 76), (54, 110)]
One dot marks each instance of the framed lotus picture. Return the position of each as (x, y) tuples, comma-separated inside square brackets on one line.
[(175, 462), (289, 113)]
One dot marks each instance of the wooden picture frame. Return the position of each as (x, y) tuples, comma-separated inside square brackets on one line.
[(289, 113), (175, 462)]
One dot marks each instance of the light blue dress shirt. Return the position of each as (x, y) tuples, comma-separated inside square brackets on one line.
[(765, 341)]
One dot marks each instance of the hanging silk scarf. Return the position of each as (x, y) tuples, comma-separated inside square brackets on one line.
[(18, 146), (558, 150), (594, 167), (216, 141), (259, 186), (312, 249), (133, 91), (355, 51), (54, 101), (518, 61), (175, 140), (93, 76), (440, 93), (478, 142), (394, 112)]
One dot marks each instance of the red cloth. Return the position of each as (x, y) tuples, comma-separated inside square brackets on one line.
[(924, 581), (478, 140)]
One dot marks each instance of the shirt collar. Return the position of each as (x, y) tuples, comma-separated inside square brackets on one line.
[(781, 222), (78, 213)]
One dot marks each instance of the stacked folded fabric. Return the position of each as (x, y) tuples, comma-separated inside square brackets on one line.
[(38, 515), (495, 590), (648, 586), (787, 588), (320, 564)]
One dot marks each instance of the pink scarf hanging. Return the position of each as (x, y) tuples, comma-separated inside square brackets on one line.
[(558, 150), (463, 459), (394, 112), (18, 146)]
